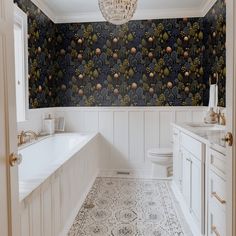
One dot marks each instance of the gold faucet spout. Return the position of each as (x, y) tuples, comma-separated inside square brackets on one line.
[(29, 133)]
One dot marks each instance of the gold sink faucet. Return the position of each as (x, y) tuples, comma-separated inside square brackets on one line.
[(24, 134)]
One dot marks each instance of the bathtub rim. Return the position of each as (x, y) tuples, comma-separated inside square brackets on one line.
[(34, 187), (41, 138)]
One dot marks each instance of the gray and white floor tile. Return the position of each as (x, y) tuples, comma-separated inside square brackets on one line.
[(129, 207)]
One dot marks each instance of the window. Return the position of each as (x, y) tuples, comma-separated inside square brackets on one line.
[(21, 63)]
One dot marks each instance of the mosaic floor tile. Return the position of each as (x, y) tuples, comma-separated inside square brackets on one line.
[(129, 207)]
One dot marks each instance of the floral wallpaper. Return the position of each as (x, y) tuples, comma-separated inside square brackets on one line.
[(215, 53), (142, 63), (41, 42)]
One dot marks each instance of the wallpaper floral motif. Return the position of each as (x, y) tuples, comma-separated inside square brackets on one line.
[(215, 53), (41, 42), (142, 63)]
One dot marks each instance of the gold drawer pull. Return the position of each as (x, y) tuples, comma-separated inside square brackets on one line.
[(213, 228), (214, 194)]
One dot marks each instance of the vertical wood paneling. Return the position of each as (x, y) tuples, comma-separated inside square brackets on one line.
[(74, 122), (106, 125), (106, 130), (56, 207), (198, 116), (183, 116), (121, 138), (136, 136), (152, 129), (36, 216), (47, 211), (65, 195), (71, 175), (79, 177), (25, 223), (57, 200), (90, 121), (165, 132), (114, 126)]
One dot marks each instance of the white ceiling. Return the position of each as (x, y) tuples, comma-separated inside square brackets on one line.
[(61, 11)]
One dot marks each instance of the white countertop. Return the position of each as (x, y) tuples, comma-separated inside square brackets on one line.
[(213, 138)]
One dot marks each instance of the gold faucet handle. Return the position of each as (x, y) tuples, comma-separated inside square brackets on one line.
[(21, 138)]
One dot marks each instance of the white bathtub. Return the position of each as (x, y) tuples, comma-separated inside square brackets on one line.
[(55, 176), (42, 158)]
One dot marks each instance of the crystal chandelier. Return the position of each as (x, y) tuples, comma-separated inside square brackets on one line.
[(118, 12)]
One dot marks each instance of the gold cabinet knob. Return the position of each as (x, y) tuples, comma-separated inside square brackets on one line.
[(15, 159), (228, 139)]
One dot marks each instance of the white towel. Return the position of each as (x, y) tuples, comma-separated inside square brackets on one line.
[(213, 100), (216, 102)]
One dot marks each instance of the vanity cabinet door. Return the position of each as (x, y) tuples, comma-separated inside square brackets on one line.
[(196, 190), (186, 187), (193, 186)]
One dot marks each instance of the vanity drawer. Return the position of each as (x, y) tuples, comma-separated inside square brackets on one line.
[(217, 190), (192, 145), (217, 221), (217, 162)]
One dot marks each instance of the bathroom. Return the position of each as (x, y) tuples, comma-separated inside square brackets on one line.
[(115, 118)]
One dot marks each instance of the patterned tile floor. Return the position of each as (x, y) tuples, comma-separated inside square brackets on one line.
[(129, 207)]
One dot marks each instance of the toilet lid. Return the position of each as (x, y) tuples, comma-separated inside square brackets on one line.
[(160, 151)]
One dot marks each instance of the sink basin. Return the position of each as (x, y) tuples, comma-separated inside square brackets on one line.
[(203, 126), (197, 125)]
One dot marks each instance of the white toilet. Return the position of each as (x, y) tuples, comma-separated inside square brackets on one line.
[(162, 162)]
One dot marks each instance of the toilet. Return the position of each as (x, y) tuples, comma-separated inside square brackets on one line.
[(162, 162)]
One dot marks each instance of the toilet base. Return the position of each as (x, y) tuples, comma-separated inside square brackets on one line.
[(159, 171)]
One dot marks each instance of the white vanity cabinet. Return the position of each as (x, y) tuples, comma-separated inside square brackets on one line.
[(189, 175), (199, 180)]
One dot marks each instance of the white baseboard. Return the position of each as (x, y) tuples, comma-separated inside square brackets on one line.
[(71, 219)]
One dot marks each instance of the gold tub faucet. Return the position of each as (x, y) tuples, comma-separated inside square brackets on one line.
[(22, 137)]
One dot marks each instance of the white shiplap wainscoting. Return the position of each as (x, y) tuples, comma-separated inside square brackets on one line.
[(128, 132), (52, 207)]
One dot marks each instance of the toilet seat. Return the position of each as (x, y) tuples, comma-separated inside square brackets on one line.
[(160, 152), (160, 156)]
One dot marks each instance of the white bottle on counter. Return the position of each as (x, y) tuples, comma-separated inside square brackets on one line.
[(49, 125)]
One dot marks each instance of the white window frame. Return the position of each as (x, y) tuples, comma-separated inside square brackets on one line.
[(20, 18)]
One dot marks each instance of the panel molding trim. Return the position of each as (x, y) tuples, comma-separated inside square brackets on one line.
[(146, 14)]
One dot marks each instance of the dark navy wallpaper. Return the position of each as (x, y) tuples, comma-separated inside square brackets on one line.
[(215, 53), (142, 63), (41, 43)]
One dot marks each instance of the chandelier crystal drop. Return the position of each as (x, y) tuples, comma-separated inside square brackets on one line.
[(118, 12)]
